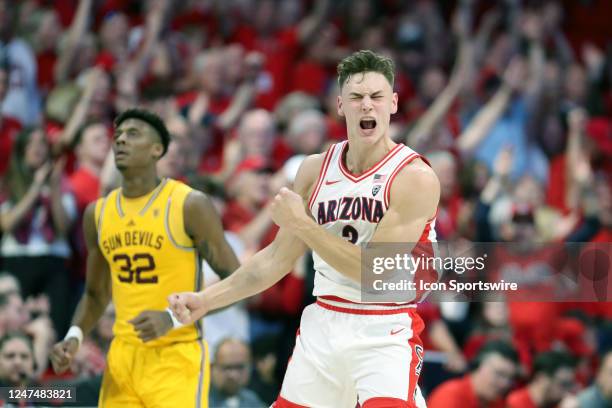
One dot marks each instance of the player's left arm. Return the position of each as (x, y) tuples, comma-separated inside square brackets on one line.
[(414, 197), (203, 225)]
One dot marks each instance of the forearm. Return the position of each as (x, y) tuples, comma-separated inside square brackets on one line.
[(77, 31), (77, 118), (255, 276), (61, 221), (312, 23), (241, 101), (12, 218), (441, 338), (484, 120), (573, 154), (434, 114), (89, 310), (337, 252)]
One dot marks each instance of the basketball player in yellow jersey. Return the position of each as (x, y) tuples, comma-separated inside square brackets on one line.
[(144, 242)]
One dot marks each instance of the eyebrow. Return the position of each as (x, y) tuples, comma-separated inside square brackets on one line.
[(357, 94), (120, 129)]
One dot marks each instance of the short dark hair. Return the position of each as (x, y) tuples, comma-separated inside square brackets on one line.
[(500, 347), (365, 61), (149, 117), (550, 362), (18, 335)]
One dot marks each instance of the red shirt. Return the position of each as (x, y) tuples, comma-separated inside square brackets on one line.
[(8, 132), (520, 399), (85, 186), (458, 393), (46, 64), (310, 77)]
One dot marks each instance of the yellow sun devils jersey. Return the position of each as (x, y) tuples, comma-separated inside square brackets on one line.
[(150, 256)]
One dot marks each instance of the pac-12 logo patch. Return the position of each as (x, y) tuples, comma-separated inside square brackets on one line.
[(376, 189)]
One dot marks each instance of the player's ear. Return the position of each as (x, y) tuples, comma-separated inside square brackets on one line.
[(394, 103), (339, 102), (158, 151)]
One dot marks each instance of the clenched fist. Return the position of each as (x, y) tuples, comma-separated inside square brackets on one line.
[(187, 307), (62, 354)]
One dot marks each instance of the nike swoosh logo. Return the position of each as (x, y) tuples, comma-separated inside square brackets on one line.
[(329, 183), (396, 331)]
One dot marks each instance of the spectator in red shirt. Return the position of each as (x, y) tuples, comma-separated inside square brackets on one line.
[(485, 386), (553, 379), (9, 127), (91, 148), (248, 189)]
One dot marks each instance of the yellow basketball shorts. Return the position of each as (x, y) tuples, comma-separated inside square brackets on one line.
[(176, 375)]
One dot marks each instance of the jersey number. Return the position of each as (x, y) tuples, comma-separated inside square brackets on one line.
[(350, 233), (136, 267)]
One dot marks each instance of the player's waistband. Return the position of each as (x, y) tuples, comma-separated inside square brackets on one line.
[(338, 304)]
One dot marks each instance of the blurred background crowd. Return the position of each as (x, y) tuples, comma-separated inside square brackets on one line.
[(510, 101)]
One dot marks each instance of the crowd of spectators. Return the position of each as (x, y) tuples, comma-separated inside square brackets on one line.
[(510, 101)]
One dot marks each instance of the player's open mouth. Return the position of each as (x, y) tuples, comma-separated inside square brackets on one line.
[(367, 123)]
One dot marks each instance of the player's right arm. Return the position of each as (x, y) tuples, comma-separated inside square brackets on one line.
[(260, 272), (96, 296)]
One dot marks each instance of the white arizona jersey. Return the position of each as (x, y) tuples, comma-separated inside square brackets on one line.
[(351, 206)]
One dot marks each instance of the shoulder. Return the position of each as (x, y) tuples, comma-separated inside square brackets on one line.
[(415, 176), (308, 173), (419, 174), (197, 201)]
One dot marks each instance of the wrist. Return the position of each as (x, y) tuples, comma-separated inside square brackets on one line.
[(76, 333), (174, 321), (302, 225)]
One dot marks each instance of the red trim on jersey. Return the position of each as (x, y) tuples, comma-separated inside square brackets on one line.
[(364, 311), (415, 341), (324, 167), (402, 164), (339, 299), (283, 403), (372, 170), (434, 216), (386, 402)]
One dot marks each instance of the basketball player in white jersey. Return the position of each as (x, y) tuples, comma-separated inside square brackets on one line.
[(366, 189)]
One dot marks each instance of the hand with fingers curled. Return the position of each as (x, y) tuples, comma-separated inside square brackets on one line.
[(187, 307), (151, 324), (63, 353)]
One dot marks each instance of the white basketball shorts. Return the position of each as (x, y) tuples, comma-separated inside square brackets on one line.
[(355, 355)]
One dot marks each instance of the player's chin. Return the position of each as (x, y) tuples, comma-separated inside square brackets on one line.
[(369, 136)]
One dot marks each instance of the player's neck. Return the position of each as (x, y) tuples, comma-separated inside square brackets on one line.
[(361, 157), (137, 185)]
